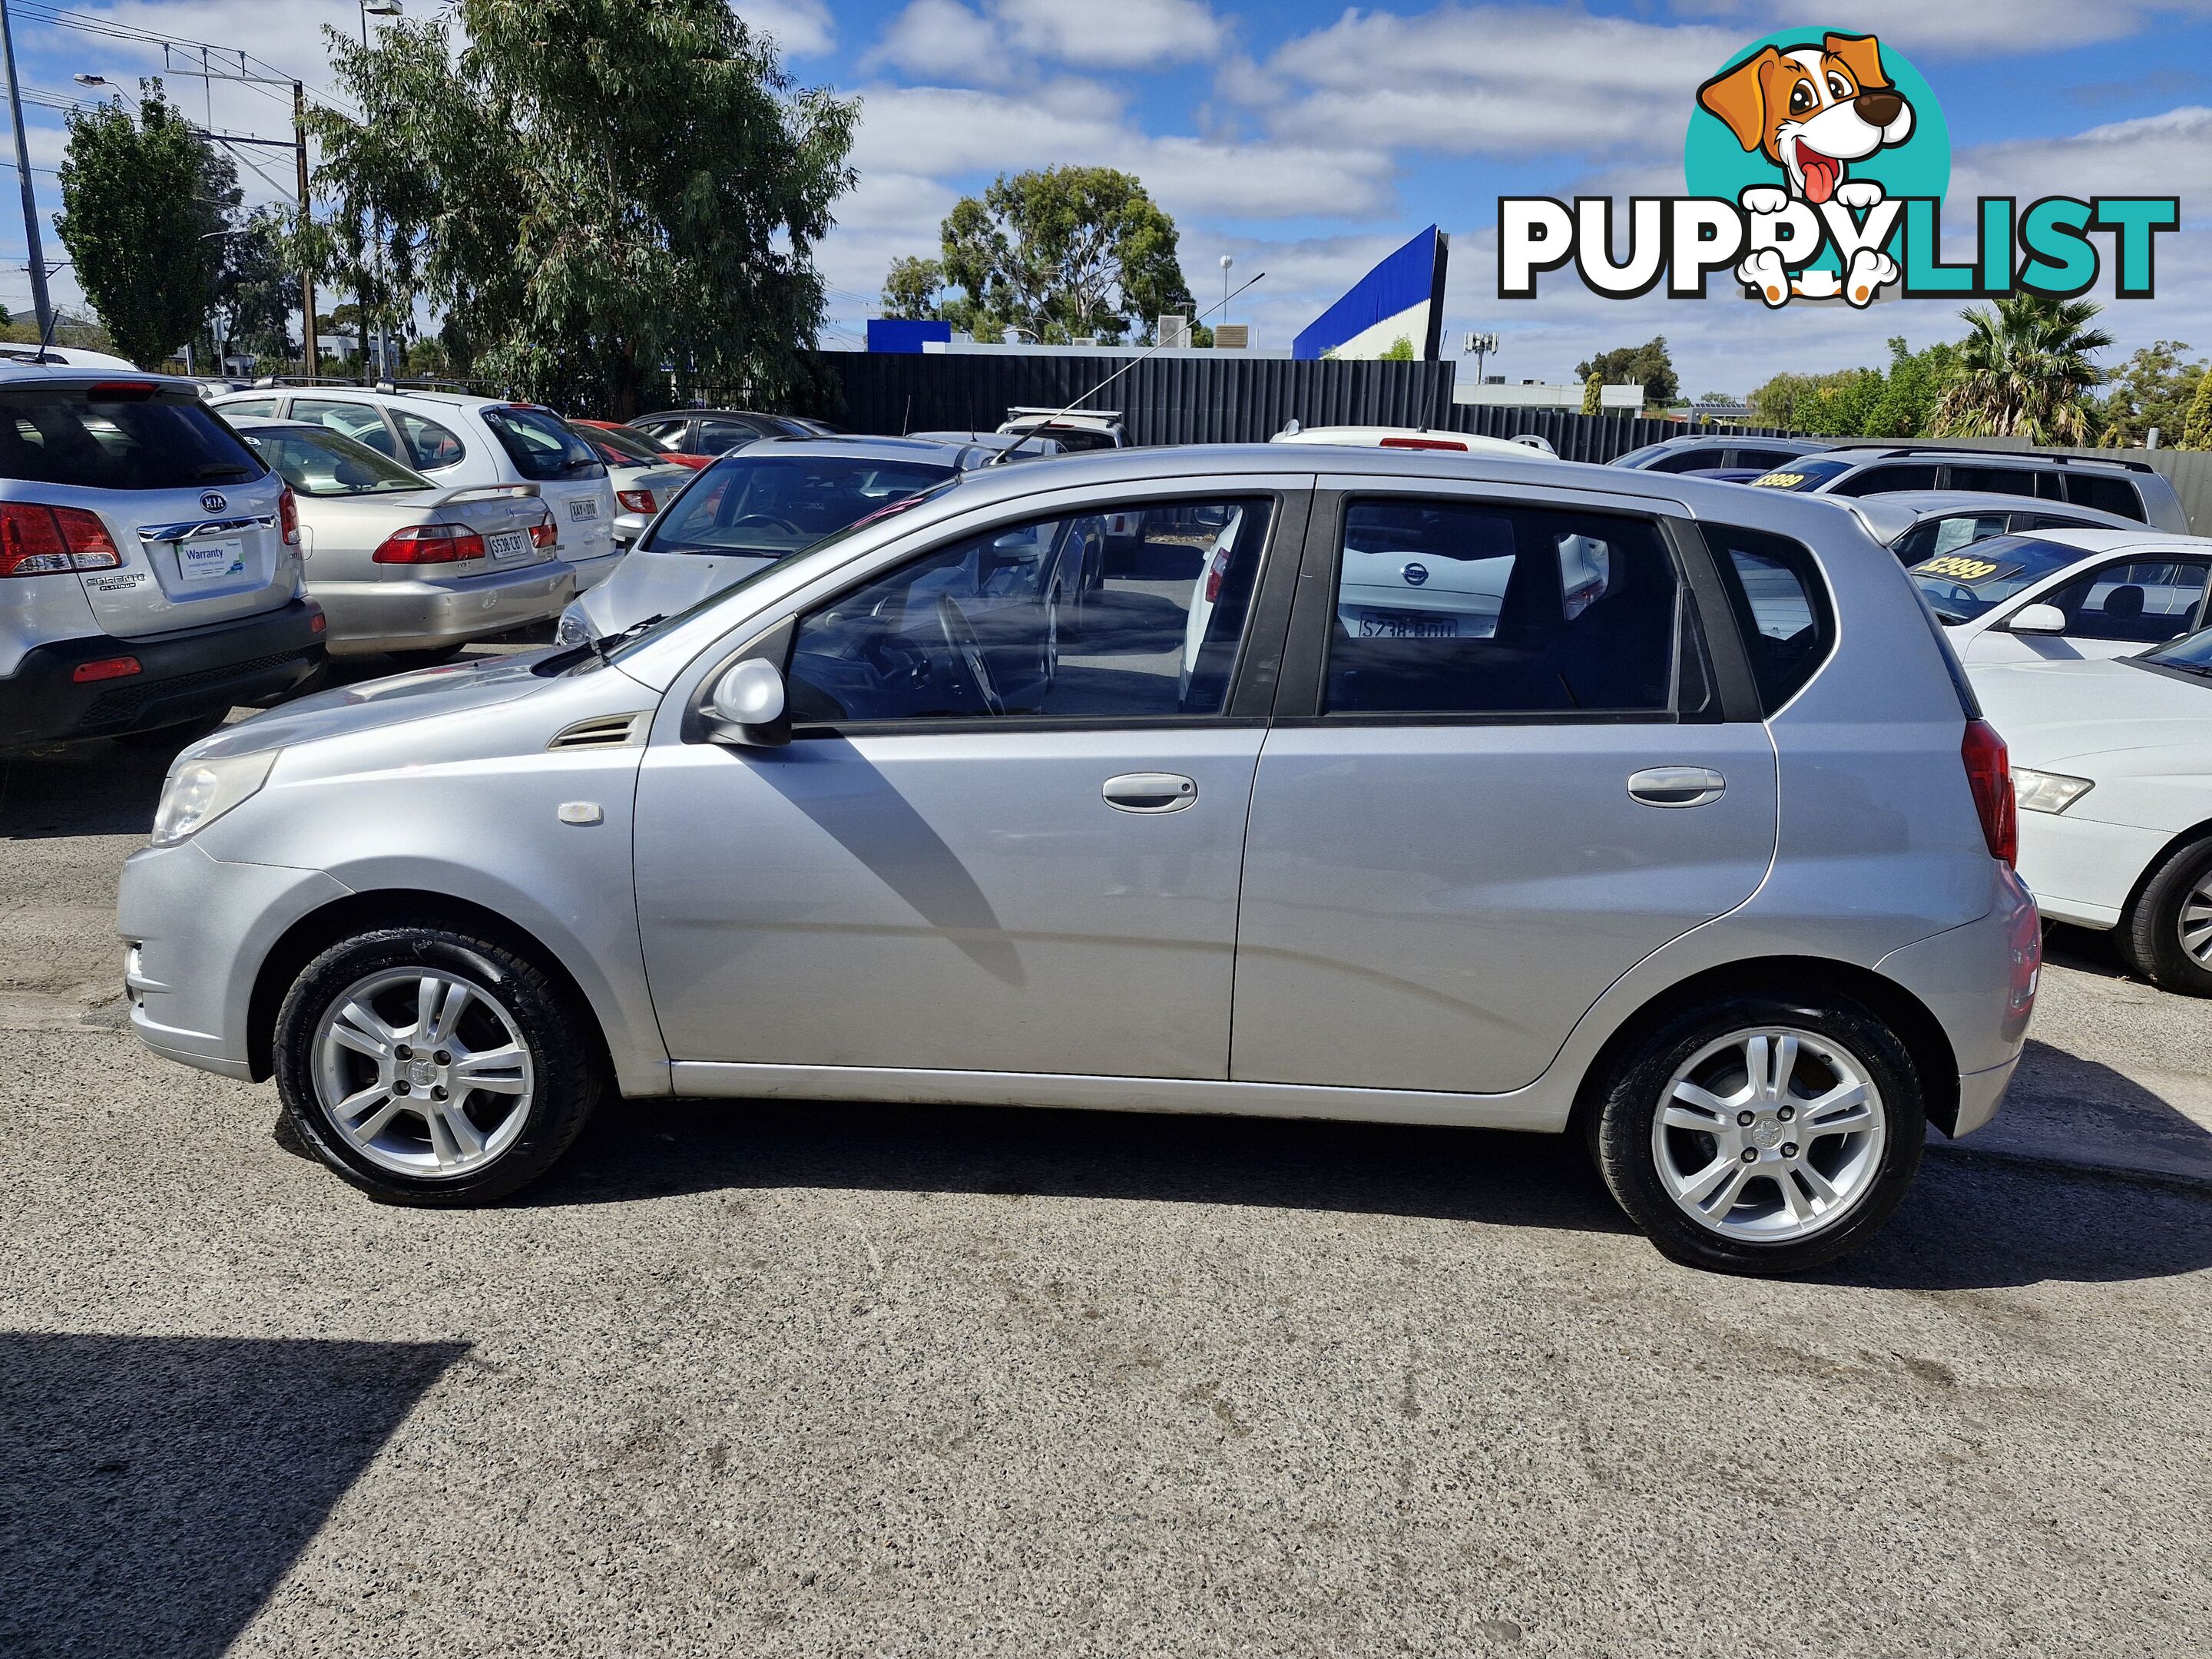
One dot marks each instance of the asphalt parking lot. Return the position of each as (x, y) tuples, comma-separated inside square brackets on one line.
[(859, 1380)]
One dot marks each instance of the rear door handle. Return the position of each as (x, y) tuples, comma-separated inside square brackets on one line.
[(1150, 791), (1676, 786)]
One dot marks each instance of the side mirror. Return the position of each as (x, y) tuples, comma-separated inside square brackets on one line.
[(747, 705), (2038, 619)]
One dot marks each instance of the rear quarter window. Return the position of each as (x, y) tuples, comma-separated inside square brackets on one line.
[(59, 436), (2105, 495), (1780, 607)]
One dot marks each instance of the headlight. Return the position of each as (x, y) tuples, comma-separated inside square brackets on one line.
[(574, 630), (199, 792), (2046, 792)]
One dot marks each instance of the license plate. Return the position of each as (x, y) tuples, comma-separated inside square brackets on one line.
[(1403, 625), (209, 561), (507, 544), (583, 507)]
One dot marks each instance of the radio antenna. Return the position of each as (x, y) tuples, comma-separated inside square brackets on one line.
[(1007, 453)]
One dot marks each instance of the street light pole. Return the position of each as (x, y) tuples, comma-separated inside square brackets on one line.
[(39, 300), (309, 346)]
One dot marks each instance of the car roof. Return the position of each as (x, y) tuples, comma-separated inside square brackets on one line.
[(1925, 503), (17, 372), (687, 413), (2101, 540), (856, 448), (1856, 450), (1691, 440)]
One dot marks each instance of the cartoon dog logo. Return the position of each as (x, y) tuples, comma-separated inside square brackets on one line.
[(1812, 113)]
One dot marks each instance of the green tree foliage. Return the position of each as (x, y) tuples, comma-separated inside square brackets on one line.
[(913, 289), (1593, 399), (255, 290), (2152, 388), (1401, 351), (143, 202), (1063, 252), (1648, 365), (2024, 371), (589, 190), (2197, 427), (1862, 403)]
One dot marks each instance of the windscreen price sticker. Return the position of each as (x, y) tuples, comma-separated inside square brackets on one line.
[(1780, 481), (1958, 568)]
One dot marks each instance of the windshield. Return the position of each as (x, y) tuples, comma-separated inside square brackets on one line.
[(2192, 653), (330, 464), (663, 624), (1802, 475), (622, 448), (1961, 587), (778, 504), (540, 444), (130, 437)]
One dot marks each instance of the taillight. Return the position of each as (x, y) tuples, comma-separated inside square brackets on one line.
[(1989, 774), (430, 544), (36, 540), (545, 533), (635, 500), (1214, 573), (288, 511)]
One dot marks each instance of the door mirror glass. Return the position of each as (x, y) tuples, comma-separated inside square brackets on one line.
[(2038, 619), (748, 705)]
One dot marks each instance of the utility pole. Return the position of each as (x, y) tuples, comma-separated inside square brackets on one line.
[(24, 172), (308, 342)]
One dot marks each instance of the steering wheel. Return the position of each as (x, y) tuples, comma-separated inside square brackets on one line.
[(960, 639), (767, 521)]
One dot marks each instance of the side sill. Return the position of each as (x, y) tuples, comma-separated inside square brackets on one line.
[(1532, 1110)]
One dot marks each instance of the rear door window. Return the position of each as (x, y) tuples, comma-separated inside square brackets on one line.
[(1994, 480), (2106, 495), (718, 437), (1885, 480), (540, 444), (1467, 608), (432, 445), (1932, 536), (1761, 458), (362, 423), (258, 408), (1691, 459), (167, 441), (1781, 604)]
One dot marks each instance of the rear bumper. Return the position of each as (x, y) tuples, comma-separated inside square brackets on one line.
[(590, 573), (412, 615), (182, 676)]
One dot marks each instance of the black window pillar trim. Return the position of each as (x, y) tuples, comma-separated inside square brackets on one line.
[(1716, 620), (1260, 659)]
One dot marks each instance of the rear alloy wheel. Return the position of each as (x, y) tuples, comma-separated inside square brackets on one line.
[(1766, 1136), (431, 1068), (2167, 933)]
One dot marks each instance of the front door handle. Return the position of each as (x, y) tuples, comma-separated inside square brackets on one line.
[(1150, 791), (1676, 786)]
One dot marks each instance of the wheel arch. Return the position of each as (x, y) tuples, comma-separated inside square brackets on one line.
[(363, 912), (2175, 843), (1916, 1025)]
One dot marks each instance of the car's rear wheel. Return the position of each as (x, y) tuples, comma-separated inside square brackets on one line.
[(434, 1068), (1764, 1134), (2167, 933)]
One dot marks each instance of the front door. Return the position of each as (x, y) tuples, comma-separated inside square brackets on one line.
[(1517, 784), (958, 865)]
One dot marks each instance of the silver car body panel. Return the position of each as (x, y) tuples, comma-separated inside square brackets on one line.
[(1013, 942)]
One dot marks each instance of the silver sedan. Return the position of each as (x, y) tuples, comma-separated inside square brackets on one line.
[(406, 566)]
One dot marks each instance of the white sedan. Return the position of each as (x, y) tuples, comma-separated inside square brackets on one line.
[(2067, 595), (2111, 767)]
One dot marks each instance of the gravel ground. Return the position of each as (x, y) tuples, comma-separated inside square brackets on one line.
[(847, 1380)]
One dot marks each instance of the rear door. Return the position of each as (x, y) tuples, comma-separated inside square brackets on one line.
[(193, 514), (1476, 810), (363, 422)]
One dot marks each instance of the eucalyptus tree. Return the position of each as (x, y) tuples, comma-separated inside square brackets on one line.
[(587, 190)]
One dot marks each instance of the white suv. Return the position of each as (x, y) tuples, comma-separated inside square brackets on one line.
[(459, 441)]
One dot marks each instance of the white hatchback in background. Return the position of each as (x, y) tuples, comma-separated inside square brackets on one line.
[(1412, 437), (2067, 595), (461, 441)]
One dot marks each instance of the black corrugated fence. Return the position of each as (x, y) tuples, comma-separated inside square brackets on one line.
[(1163, 400)]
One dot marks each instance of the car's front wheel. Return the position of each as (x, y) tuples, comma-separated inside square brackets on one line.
[(1764, 1134), (2167, 933), (434, 1068)]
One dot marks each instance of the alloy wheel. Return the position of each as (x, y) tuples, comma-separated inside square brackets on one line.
[(423, 1072), (1769, 1134), (2193, 926)]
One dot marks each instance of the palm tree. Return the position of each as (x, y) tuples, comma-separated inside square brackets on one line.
[(2024, 371)]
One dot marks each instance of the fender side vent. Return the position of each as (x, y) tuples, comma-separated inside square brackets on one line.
[(603, 731)]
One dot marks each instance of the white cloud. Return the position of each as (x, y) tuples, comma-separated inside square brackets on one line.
[(942, 41), (1112, 33), (1477, 78), (2167, 154), (802, 28), (1945, 25)]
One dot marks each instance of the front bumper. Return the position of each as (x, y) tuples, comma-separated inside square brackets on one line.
[(182, 676), (413, 615), (196, 931)]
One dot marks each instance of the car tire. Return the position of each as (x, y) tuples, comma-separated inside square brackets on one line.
[(2174, 906), (335, 1088), (1644, 1131)]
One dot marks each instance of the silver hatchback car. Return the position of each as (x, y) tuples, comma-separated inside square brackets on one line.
[(1387, 786)]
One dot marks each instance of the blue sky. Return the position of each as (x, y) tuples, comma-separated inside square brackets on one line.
[(1306, 139)]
